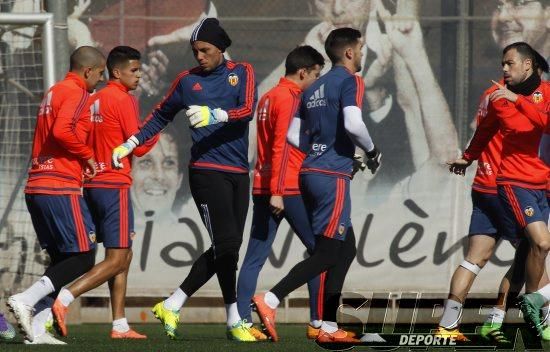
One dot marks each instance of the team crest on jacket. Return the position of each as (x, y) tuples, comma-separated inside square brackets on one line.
[(91, 236), (537, 97), (233, 79), (529, 211), (341, 229)]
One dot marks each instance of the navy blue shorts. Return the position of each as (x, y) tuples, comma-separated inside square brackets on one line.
[(486, 219), (328, 204), (62, 221), (113, 216), (522, 206)]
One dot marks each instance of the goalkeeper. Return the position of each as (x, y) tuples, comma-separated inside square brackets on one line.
[(219, 96)]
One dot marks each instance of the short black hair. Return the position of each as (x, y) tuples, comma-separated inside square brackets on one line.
[(303, 56), (339, 39), (526, 51), (119, 56)]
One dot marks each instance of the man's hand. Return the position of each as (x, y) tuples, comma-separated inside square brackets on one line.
[(358, 164), (123, 151), (459, 166), (277, 205), (374, 160), (502, 92), (89, 169), (200, 116)]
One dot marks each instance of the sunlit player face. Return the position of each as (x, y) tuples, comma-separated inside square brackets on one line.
[(519, 21), (208, 56), (343, 13), (358, 55), (94, 75), (157, 177), (515, 68), (129, 74)]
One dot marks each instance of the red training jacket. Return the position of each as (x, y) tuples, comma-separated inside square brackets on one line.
[(489, 160), (278, 164), (522, 124), (59, 148), (115, 116)]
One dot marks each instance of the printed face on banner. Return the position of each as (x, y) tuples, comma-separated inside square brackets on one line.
[(410, 218)]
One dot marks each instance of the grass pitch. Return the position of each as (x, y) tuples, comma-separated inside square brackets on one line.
[(211, 338), (194, 337)]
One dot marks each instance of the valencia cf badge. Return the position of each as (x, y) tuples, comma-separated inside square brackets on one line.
[(529, 211), (233, 79), (91, 236), (341, 229), (537, 97)]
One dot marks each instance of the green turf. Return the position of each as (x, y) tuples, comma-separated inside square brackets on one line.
[(195, 337), (211, 338)]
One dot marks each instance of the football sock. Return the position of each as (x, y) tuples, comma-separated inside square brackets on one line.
[(329, 326), (121, 325), (176, 300), (36, 292), (65, 297), (233, 316), (451, 314), (271, 300)]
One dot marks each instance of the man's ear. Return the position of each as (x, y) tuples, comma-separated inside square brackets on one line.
[(349, 53), (87, 72), (116, 73), (302, 73)]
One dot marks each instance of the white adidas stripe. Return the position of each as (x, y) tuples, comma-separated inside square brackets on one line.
[(195, 33)]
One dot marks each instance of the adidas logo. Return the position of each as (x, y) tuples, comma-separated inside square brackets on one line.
[(317, 98), (197, 86)]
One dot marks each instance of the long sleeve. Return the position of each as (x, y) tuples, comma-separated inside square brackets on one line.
[(164, 113), (537, 116), (351, 98), (297, 134), (485, 131), (129, 121), (65, 125), (356, 129), (281, 116), (248, 95)]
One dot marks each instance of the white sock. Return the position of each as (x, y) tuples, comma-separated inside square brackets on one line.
[(121, 325), (545, 291), (496, 316), (271, 300), (316, 323), (329, 326), (545, 317), (233, 316), (451, 314), (36, 292), (176, 300), (42, 313), (66, 297)]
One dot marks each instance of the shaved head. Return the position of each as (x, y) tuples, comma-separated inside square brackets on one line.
[(88, 63), (86, 56)]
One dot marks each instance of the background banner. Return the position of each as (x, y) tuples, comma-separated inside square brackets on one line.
[(426, 64)]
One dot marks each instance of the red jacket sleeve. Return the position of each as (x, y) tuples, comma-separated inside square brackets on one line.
[(129, 121), (485, 131), (247, 96), (537, 116), (64, 129), (283, 111)]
